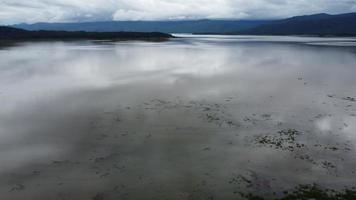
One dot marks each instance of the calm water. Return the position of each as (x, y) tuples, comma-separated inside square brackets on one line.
[(199, 117)]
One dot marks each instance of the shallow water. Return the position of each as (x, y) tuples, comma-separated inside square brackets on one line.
[(198, 117)]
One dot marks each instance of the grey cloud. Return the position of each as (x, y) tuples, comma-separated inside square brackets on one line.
[(17, 11)]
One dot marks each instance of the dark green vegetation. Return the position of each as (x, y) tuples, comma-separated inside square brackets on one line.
[(307, 192), (319, 24), (9, 33)]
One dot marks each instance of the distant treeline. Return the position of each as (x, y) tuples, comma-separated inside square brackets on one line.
[(9, 33)]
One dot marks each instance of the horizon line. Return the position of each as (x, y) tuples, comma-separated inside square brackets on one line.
[(177, 20)]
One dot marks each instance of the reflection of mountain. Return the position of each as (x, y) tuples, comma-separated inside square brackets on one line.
[(320, 24), (9, 33)]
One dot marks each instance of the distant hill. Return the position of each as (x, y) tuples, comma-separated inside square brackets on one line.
[(10, 33), (319, 24), (186, 26)]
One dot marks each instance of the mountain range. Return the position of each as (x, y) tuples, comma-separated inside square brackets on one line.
[(187, 26), (318, 24)]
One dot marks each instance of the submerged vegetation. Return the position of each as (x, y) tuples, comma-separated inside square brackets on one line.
[(308, 192), (286, 140)]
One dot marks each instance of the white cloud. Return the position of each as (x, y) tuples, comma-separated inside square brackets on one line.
[(15, 11), (175, 9)]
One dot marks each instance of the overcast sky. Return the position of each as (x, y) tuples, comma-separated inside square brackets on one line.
[(17, 11)]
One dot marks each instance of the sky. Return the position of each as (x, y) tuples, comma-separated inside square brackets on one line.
[(31, 11)]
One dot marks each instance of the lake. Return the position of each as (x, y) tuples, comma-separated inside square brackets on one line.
[(196, 117)]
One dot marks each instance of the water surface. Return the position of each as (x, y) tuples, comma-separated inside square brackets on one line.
[(198, 117)]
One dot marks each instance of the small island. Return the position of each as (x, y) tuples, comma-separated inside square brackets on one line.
[(10, 33)]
